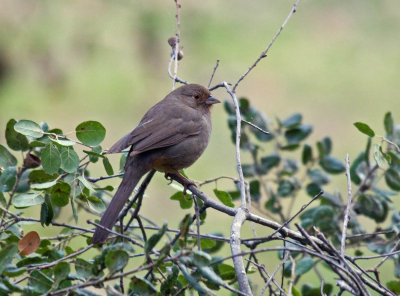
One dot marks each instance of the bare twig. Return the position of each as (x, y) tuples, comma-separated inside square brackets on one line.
[(213, 73), (178, 36), (264, 53), (274, 273), (348, 207), (238, 135), (255, 126)]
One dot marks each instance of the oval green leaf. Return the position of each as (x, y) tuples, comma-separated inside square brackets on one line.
[(27, 200), (60, 194), (15, 140), (303, 265), (116, 260), (96, 204), (392, 178), (69, 160), (6, 158), (29, 128), (51, 158), (185, 202), (332, 165), (364, 128), (224, 197), (90, 133)]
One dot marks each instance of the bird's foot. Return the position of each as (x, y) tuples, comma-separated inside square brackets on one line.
[(185, 182)]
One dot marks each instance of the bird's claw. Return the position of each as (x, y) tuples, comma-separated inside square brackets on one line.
[(186, 184)]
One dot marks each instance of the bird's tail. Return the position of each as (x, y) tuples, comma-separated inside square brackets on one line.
[(132, 175)]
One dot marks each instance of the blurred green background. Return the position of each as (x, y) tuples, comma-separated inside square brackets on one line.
[(65, 62)]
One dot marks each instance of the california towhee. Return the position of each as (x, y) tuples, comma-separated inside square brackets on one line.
[(171, 136)]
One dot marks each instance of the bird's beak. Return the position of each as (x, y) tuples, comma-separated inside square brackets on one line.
[(211, 100)]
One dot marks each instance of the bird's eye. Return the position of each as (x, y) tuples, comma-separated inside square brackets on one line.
[(196, 97)]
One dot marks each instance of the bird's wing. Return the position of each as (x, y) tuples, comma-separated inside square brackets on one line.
[(160, 127)]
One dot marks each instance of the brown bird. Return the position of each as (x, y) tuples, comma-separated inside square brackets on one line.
[(171, 136)]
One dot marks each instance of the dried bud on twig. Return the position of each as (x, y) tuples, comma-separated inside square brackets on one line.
[(172, 42), (31, 161)]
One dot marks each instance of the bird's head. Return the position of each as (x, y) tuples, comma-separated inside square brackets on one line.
[(195, 96)]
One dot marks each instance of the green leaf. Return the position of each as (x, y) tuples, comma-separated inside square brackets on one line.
[(392, 178), (63, 142), (8, 179), (297, 134), (226, 272), (394, 286), (249, 170), (90, 133), (171, 285), (388, 123), (224, 197), (96, 204), (201, 258), (69, 160), (354, 171), (192, 281), (306, 156), (116, 260), (141, 286), (372, 206), (303, 265), (208, 273), (285, 188), (39, 176), (313, 189), (39, 282), (270, 161), (29, 128), (255, 193), (107, 166), (44, 185), (27, 199), (6, 158), (292, 121), (324, 147), (12, 270), (15, 141), (318, 177), (61, 271), (378, 156), (46, 212), (95, 154), (244, 104), (154, 239), (7, 254), (212, 246), (60, 194), (83, 268), (364, 128), (185, 202), (332, 165), (51, 159), (85, 183)]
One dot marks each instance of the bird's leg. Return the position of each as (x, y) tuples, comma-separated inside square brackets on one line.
[(186, 182)]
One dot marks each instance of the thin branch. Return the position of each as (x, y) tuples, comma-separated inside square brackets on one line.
[(348, 207), (274, 273), (213, 73), (255, 126), (237, 144), (264, 53)]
